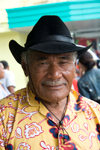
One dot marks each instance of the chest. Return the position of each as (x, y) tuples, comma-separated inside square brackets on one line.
[(32, 130)]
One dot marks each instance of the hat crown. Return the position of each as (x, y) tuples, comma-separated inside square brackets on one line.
[(51, 36), (47, 26)]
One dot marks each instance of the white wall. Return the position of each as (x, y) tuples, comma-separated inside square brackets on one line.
[(21, 3), (5, 54)]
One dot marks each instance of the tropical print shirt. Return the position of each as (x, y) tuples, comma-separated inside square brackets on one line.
[(26, 124)]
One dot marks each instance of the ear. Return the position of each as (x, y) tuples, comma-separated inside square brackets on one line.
[(25, 68)]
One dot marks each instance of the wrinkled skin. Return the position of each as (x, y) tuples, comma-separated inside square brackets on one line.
[(50, 75)]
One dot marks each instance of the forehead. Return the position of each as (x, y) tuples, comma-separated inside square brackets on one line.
[(35, 54)]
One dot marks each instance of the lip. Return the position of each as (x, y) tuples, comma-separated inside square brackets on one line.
[(54, 87)]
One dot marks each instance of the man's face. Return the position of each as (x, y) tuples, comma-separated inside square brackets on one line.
[(51, 75)]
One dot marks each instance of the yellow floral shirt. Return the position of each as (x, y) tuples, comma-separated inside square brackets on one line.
[(26, 124)]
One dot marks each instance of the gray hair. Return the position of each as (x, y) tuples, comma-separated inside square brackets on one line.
[(75, 56), (24, 55), (27, 53)]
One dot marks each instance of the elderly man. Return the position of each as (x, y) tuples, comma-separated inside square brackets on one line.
[(48, 114)]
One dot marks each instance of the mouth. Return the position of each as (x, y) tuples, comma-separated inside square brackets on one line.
[(54, 84)]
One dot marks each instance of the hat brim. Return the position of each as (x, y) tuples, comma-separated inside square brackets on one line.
[(51, 47), (16, 50)]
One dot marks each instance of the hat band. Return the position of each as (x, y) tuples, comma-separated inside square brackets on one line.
[(54, 38), (57, 38)]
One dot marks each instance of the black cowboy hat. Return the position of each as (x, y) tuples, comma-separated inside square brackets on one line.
[(49, 35)]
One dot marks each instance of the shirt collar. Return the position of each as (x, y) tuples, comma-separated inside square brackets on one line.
[(77, 101), (73, 102), (35, 102), (31, 98)]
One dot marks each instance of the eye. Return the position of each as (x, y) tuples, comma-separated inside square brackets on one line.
[(42, 60), (65, 60), (44, 63)]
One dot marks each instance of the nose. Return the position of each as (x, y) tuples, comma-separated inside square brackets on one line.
[(54, 72)]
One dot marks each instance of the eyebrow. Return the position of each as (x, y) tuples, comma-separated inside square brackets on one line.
[(65, 57), (40, 58), (43, 57)]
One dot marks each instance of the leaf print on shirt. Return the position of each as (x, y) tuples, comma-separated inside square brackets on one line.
[(79, 104), (65, 142), (54, 129), (98, 130), (24, 146), (84, 133), (46, 147), (1, 143), (10, 122), (54, 132), (66, 121), (9, 147), (2, 108), (83, 106), (14, 97), (32, 130), (27, 114), (2, 119), (18, 133)]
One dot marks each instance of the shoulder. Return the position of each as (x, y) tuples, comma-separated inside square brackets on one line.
[(85, 78), (82, 80), (13, 98), (96, 71), (85, 105), (10, 108), (10, 105), (92, 107)]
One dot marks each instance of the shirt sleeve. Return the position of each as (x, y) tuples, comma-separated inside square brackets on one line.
[(10, 79), (3, 93)]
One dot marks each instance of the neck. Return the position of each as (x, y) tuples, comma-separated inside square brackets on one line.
[(58, 104), (57, 110), (53, 105)]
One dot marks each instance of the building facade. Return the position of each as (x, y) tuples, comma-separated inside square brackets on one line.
[(18, 16)]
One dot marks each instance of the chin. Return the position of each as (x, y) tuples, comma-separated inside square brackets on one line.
[(53, 95), (54, 98)]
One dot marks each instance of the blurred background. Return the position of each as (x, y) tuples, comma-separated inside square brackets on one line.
[(18, 16)]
